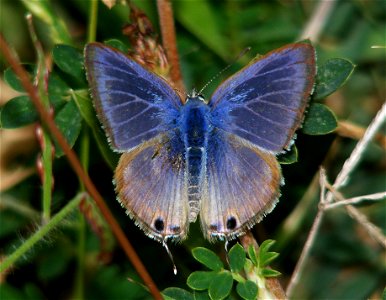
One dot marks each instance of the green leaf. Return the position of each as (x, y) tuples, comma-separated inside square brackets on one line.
[(200, 280), (117, 44), (69, 122), (208, 32), (54, 24), (331, 76), (58, 91), (174, 293), (247, 290), (264, 247), (69, 60), (252, 255), (207, 258), (87, 111), (237, 258), (289, 157), (267, 257), (319, 120), (201, 295), (221, 285), (270, 273), (13, 81), (17, 112)]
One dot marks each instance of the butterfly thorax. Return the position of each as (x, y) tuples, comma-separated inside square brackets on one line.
[(195, 131)]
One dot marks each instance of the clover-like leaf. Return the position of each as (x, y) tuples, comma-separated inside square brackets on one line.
[(87, 111), (237, 258), (267, 257), (319, 120), (270, 273), (58, 91), (207, 258), (69, 60), (252, 255), (247, 290), (17, 112), (331, 76), (221, 285), (200, 280), (174, 293), (69, 122), (200, 295), (13, 81), (289, 157), (117, 44)]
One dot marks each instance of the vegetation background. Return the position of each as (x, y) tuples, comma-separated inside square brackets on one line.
[(80, 258)]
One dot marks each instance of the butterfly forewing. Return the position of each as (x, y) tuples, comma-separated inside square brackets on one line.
[(264, 103), (133, 104), (242, 186), (150, 185)]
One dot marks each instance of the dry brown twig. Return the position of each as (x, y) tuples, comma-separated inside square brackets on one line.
[(326, 199), (47, 119)]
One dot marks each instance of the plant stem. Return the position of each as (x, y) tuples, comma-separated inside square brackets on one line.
[(12, 59), (92, 25), (47, 176), (45, 143), (169, 42), (81, 251), (357, 154), (39, 235)]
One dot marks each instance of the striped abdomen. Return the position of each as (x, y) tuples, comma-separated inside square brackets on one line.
[(195, 128)]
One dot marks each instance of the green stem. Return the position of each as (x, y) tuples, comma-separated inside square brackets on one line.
[(39, 235), (79, 279), (46, 140), (92, 25), (47, 176)]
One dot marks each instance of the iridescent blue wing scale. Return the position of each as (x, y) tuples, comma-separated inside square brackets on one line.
[(264, 103), (133, 104), (242, 186), (151, 186), (139, 112)]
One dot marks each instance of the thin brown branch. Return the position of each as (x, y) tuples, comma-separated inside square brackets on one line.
[(310, 240), (12, 59), (169, 42), (359, 150), (372, 230), (356, 200), (353, 131)]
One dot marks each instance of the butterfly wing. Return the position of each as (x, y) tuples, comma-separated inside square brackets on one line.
[(242, 185), (133, 104), (264, 102), (150, 185), (138, 110)]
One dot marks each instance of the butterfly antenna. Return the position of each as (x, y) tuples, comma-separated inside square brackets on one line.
[(170, 256), (242, 53)]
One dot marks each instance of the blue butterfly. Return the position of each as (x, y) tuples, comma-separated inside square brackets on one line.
[(215, 159)]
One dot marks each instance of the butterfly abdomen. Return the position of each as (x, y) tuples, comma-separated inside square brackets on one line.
[(195, 127)]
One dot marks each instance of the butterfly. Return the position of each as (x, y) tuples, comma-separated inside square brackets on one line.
[(214, 159)]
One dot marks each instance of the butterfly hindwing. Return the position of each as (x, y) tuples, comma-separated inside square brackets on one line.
[(264, 102), (242, 186), (150, 184), (133, 104)]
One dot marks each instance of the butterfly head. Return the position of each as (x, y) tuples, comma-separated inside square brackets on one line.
[(194, 97)]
